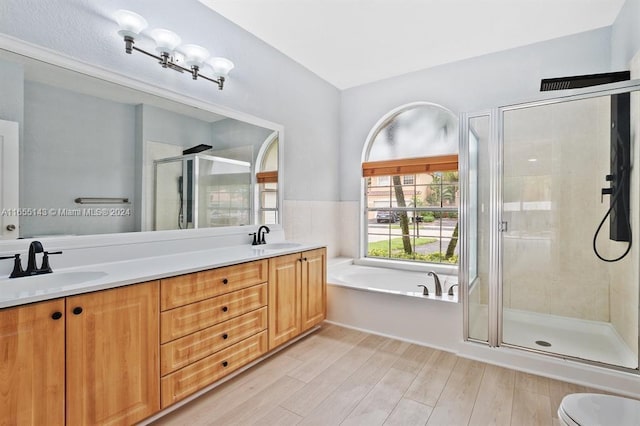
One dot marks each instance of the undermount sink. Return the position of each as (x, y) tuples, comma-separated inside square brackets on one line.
[(61, 278), (277, 246)]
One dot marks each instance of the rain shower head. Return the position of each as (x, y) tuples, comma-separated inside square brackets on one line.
[(196, 149), (578, 81)]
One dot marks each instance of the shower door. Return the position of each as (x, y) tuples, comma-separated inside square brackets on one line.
[(557, 296)]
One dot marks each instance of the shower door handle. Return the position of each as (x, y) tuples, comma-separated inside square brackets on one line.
[(503, 226)]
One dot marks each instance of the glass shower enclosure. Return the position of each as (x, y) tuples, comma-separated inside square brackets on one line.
[(551, 208), (201, 191)]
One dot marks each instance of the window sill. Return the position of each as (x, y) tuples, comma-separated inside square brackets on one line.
[(408, 266)]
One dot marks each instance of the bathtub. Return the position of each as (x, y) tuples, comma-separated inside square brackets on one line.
[(344, 273), (388, 302)]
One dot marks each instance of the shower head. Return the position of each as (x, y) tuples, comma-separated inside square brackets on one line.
[(196, 149), (578, 81)]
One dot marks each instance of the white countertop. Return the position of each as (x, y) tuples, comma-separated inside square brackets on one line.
[(85, 279)]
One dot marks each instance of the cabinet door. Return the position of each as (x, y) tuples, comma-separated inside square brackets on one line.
[(113, 366), (32, 364), (284, 298), (314, 284)]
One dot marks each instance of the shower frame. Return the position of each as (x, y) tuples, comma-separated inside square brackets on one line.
[(195, 186), (495, 178)]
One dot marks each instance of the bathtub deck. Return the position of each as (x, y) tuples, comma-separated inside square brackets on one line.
[(342, 376)]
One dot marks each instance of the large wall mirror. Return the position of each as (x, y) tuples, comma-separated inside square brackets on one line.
[(96, 157)]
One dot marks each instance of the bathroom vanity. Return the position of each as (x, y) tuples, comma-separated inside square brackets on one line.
[(132, 342)]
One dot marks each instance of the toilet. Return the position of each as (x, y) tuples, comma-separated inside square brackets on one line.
[(591, 409)]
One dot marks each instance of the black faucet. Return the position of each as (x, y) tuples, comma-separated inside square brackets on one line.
[(264, 229), (32, 269), (34, 247), (436, 279)]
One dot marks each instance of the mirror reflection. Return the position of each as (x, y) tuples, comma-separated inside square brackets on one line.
[(96, 157)]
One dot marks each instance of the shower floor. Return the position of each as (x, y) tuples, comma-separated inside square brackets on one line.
[(589, 340)]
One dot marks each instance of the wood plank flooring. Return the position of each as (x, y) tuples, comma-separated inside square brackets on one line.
[(339, 376)]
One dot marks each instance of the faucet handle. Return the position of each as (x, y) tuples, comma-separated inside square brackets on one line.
[(255, 238), (425, 289), (45, 268), (450, 292), (17, 265)]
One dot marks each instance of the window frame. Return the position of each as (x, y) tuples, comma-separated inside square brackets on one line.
[(364, 181), (399, 263)]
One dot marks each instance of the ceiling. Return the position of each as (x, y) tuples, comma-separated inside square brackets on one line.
[(354, 42)]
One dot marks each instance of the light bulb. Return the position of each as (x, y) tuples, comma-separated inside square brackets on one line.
[(166, 41), (221, 66), (130, 23), (194, 55)]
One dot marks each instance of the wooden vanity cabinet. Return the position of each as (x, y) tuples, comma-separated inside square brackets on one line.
[(121, 355), (112, 354), (297, 294), (213, 323), (85, 360), (314, 288), (32, 371)]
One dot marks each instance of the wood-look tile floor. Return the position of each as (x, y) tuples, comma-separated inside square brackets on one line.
[(339, 376)]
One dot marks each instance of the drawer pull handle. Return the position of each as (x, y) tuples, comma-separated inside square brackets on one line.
[(56, 315), (225, 363), (77, 310), (225, 281), (225, 309), (225, 336)]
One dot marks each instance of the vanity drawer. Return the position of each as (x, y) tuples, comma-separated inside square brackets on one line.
[(191, 348), (197, 316), (185, 289), (196, 376)]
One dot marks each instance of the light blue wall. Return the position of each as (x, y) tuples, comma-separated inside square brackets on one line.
[(11, 91), (231, 133), (502, 78), (74, 146), (265, 83), (625, 35), (160, 125)]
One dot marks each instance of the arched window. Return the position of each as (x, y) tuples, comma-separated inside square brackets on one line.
[(411, 193), (267, 181)]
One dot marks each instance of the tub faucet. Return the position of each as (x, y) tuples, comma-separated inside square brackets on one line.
[(436, 279)]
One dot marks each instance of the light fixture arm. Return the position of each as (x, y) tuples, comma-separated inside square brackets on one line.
[(166, 61)]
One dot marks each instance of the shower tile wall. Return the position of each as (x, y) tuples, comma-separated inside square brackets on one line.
[(553, 172), (625, 289)]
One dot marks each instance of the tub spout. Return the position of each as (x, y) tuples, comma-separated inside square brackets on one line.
[(436, 279), (425, 290)]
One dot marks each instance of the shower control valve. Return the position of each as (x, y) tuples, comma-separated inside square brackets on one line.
[(605, 191)]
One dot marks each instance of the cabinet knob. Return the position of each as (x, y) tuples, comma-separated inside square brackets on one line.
[(304, 258), (77, 310), (225, 336), (225, 281), (225, 363), (225, 309), (56, 315)]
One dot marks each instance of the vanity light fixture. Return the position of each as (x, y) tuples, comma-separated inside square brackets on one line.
[(169, 51)]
